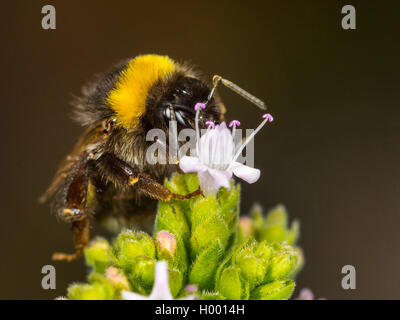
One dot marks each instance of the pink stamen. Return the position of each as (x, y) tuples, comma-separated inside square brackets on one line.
[(210, 123), (234, 122), (268, 116), (199, 105)]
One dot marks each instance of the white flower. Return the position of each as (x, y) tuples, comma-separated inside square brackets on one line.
[(161, 290), (217, 153)]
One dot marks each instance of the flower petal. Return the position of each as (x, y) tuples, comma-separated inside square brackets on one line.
[(161, 289), (128, 295), (211, 180), (190, 164), (221, 178), (207, 183), (248, 174)]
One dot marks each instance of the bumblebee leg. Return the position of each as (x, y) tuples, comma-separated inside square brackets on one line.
[(157, 191), (75, 212), (80, 231), (125, 176)]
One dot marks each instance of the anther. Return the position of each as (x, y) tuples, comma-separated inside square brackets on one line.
[(199, 105)]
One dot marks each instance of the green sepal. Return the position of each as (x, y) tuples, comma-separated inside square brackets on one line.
[(211, 295), (214, 227), (205, 265), (175, 281), (142, 275), (277, 290), (230, 285)]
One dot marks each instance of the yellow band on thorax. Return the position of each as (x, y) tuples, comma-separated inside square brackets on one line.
[(128, 98)]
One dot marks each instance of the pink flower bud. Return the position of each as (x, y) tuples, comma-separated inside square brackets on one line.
[(117, 278), (246, 226), (166, 242)]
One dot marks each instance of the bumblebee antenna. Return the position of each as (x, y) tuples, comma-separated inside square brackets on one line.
[(237, 89)]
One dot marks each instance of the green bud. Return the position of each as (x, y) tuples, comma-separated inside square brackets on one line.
[(282, 263), (275, 227), (253, 261), (230, 285), (98, 289), (131, 245), (299, 262), (142, 274), (252, 269), (97, 255), (277, 290), (264, 251)]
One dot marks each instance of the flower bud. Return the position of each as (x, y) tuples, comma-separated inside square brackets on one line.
[(97, 255), (166, 244), (282, 263), (142, 274), (130, 245), (246, 227), (95, 291), (117, 278), (230, 285)]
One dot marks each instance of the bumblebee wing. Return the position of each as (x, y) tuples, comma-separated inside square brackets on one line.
[(91, 139)]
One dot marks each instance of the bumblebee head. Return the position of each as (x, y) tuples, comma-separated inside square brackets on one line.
[(153, 90)]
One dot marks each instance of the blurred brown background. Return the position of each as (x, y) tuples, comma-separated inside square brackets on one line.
[(331, 156)]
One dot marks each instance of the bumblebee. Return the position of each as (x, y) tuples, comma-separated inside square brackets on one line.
[(106, 174)]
